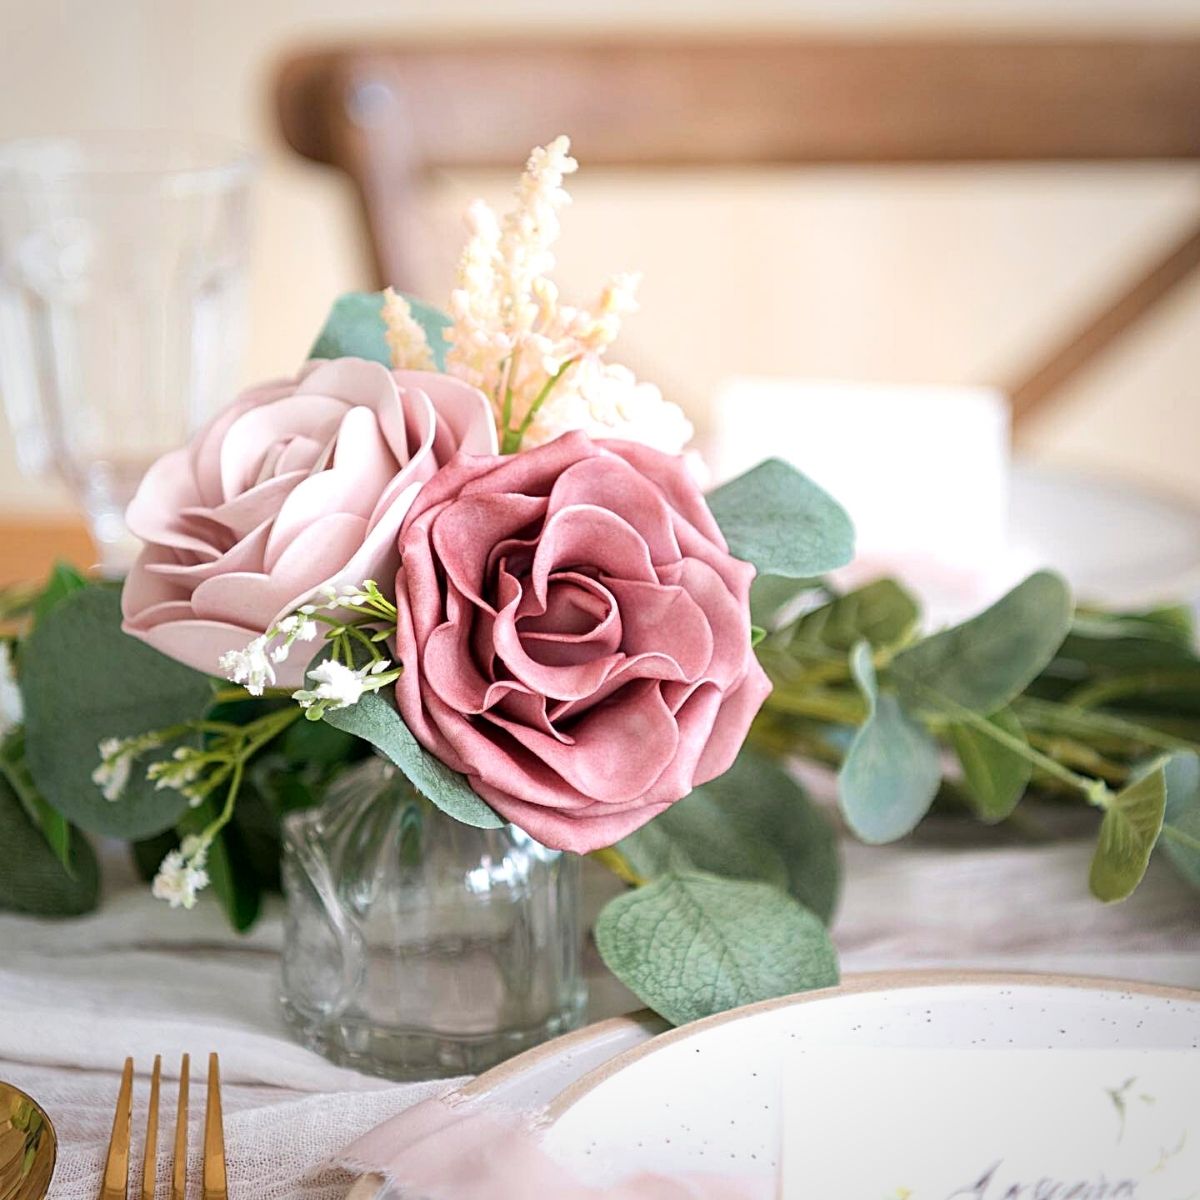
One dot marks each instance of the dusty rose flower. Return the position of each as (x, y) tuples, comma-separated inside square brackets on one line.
[(575, 635), (297, 484)]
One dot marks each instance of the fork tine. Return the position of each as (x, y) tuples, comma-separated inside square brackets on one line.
[(150, 1158), (215, 1186), (115, 1185), (179, 1166)]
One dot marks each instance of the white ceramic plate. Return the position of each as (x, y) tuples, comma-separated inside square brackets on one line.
[(704, 1097), (537, 1077), (1116, 543)]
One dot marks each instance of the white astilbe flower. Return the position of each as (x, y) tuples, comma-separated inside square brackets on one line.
[(250, 667), (540, 361), (182, 874), (12, 707), (405, 338)]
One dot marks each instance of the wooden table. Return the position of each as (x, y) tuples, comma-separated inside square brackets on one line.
[(30, 545)]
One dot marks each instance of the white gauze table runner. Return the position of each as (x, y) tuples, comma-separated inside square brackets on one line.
[(136, 978)]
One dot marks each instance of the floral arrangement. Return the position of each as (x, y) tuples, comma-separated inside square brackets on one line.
[(474, 545)]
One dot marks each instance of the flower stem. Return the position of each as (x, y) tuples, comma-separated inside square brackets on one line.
[(513, 437)]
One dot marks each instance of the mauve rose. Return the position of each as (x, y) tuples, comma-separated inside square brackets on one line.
[(575, 635), (298, 483)]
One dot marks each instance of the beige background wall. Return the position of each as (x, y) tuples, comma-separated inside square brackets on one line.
[(945, 276)]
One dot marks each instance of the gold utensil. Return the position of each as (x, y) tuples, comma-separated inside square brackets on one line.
[(115, 1183), (28, 1146)]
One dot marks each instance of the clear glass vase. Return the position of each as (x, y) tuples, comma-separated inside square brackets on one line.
[(417, 947)]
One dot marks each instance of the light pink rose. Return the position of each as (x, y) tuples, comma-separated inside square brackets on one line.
[(298, 483), (575, 635)]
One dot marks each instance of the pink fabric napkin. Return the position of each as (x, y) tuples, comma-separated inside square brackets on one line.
[(439, 1150)]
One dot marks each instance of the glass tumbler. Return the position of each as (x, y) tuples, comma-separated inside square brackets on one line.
[(122, 306)]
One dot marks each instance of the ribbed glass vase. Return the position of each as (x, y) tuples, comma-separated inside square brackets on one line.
[(417, 946)]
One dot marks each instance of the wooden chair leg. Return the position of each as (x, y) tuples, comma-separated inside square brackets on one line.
[(1084, 346)]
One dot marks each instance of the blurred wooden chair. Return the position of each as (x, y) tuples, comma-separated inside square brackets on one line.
[(387, 115)]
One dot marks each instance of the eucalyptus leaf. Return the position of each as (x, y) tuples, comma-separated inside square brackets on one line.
[(782, 522), (986, 662), (83, 680), (355, 329), (772, 596), (64, 581), (996, 777), (1129, 641), (1131, 826), (32, 879), (1180, 836), (376, 721), (891, 771), (881, 613), (691, 944), (756, 823)]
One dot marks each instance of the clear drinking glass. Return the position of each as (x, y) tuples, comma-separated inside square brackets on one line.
[(122, 306), (416, 946)]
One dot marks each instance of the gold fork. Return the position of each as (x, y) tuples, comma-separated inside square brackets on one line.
[(115, 1184)]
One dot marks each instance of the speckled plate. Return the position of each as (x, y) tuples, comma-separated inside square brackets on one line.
[(704, 1097)]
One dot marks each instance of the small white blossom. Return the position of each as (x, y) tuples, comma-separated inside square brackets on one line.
[(116, 762), (181, 874), (250, 667), (12, 707), (337, 684)]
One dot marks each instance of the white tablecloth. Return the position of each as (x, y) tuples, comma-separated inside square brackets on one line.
[(137, 978)]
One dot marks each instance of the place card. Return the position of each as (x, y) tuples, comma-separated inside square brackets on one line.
[(888, 1124)]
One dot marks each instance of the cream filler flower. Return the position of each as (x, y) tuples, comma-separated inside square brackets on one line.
[(12, 708), (540, 362)]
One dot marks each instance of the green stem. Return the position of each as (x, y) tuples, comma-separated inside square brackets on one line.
[(1093, 789), (1173, 834), (1093, 695), (1066, 718), (819, 706), (513, 437)]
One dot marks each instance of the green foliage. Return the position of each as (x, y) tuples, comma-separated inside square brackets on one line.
[(355, 329), (882, 614), (1132, 822), (376, 721), (64, 581), (777, 519), (995, 776), (754, 823), (84, 680), (891, 772), (32, 878), (1180, 836), (691, 944), (772, 595), (986, 662)]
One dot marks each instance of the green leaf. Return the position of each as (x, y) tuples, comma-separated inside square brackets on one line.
[(32, 879), (230, 876), (772, 595), (64, 581), (375, 720), (891, 772), (54, 826), (882, 614), (1131, 825), (84, 680), (779, 520), (996, 777), (1131, 641), (1180, 836), (989, 660), (691, 944), (355, 329), (755, 823)]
